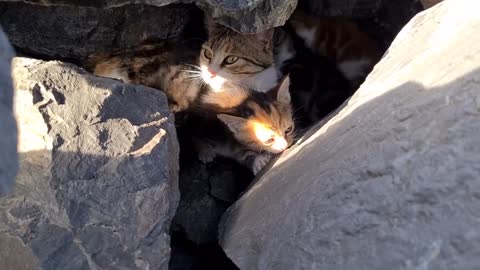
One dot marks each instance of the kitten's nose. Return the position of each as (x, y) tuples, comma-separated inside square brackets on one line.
[(280, 144), (212, 73)]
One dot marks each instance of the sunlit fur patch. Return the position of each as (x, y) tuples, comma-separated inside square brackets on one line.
[(264, 133), (110, 68), (215, 83), (230, 96)]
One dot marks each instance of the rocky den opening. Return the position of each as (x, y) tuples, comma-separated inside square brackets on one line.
[(387, 182)]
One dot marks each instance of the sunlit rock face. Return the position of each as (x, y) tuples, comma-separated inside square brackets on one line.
[(389, 182), (97, 186), (8, 132)]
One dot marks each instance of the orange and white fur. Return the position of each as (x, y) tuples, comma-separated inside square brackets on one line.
[(341, 41)]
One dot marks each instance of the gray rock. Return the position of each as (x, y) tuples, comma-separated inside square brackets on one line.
[(95, 27), (78, 32), (98, 181), (207, 191), (389, 182), (249, 16), (8, 128), (98, 3)]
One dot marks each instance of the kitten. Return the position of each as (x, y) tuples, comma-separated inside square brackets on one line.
[(247, 126), (341, 41)]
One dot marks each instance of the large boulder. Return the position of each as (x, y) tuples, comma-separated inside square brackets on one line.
[(389, 182), (8, 129), (98, 181), (243, 16), (74, 33)]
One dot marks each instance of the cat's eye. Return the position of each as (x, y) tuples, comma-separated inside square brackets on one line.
[(207, 54), (270, 141), (288, 130), (230, 60)]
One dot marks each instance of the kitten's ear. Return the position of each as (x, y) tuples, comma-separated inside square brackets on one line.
[(282, 90), (234, 123), (266, 37)]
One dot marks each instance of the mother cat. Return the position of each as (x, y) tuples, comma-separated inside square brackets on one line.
[(177, 67)]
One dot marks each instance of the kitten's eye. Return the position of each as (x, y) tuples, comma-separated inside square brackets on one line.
[(247, 112), (289, 129), (270, 141), (207, 54), (230, 60)]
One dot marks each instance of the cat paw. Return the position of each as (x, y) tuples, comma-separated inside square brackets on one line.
[(260, 162), (206, 155), (175, 108)]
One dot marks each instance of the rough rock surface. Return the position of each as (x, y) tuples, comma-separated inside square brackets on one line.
[(392, 180), (207, 191), (78, 32), (97, 186), (244, 16), (8, 130)]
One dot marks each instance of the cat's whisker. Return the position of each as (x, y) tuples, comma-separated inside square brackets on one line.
[(194, 66), (298, 109), (192, 71), (241, 84)]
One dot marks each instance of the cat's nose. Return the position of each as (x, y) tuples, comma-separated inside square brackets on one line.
[(212, 73)]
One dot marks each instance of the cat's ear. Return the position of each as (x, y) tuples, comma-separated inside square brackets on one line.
[(282, 92), (212, 26), (266, 37), (234, 123)]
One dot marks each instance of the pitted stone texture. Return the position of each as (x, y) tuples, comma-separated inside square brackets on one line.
[(249, 16), (243, 16), (8, 129), (74, 33), (392, 180), (98, 181)]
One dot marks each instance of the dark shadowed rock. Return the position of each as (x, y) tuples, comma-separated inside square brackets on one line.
[(78, 32), (207, 191), (249, 16), (392, 180), (97, 186), (8, 129), (243, 16)]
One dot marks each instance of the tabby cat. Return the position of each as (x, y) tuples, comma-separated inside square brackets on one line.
[(168, 65), (180, 71), (341, 41), (247, 60)]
